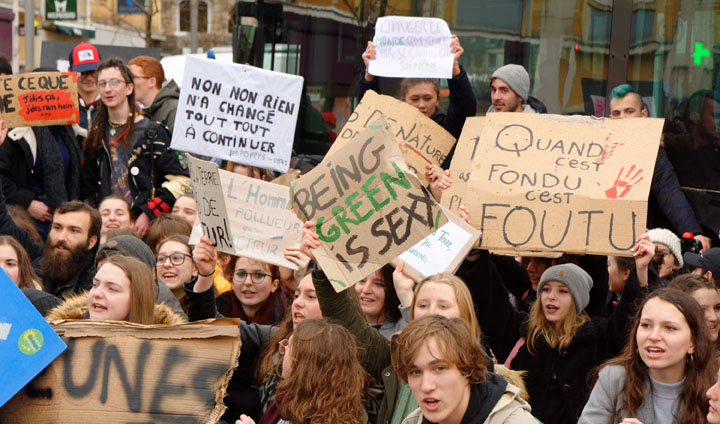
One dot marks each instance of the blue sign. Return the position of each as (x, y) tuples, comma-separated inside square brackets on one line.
[(27, 342), (131, 6)]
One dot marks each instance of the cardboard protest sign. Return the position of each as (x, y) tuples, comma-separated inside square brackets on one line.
[(244, 216), (367, 207), (464, 160), (441, 251), (562, 184), (409, 47), (27, 343), (422, 141), (238, 113), (39, 99), (122, 372)]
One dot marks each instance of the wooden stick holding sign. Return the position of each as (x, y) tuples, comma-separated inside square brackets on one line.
[(244, 216), (561, 184), (39, 99), (421, 140), (123, 372), (366, 205)]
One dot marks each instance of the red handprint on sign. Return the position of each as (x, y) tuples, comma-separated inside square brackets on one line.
[(622, 185)]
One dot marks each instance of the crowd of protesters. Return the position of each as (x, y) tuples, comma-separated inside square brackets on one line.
[(95, 220)]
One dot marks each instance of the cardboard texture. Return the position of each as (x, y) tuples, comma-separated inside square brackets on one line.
[(464, 161), (562, 184), (39, 99), (422, 141), (366, 205), (410, 47), (238, 113), (27, 343), (244, 216), (123, 372), (441, 251)]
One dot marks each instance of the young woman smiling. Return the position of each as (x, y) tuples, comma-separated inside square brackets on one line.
[(175, 266), (379, 302), (663, 371), (706, 295), (127, 154)]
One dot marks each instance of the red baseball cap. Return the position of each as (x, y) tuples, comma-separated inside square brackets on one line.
[(84, 57)]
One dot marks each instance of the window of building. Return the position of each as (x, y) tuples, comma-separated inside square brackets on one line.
[(184, 10)]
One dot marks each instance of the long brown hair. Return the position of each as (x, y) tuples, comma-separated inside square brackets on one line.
[(327, 383), (28, 278), (142, 288), (96, 132), (699, 368), (557, 338)]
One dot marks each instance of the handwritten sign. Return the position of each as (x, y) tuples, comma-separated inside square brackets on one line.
[(212, 213), (441, 251), (562, 184), (122, 372), (421, 140), (27, 343), (238, 113), (409, 47), (249, 217), (39, 99), (367, 207)]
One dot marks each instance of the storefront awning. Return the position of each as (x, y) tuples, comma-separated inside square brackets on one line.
[(76, 30)]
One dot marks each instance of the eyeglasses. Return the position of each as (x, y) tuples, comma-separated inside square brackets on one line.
[(256, 277), (283, 346), (175, 258), (113, 83), (140, 77)]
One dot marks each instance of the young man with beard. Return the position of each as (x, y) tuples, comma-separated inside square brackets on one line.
[(509, 91), (66, 262)]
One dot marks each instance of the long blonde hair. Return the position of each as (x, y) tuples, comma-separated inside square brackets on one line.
[(556, 337), (462, 295)]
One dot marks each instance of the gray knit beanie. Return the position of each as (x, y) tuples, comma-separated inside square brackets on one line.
[(575, 279), (130, 246), (516, 77), (669, 239)]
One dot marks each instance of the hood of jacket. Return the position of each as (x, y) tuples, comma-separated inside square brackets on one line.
[(76, 307), (170, 91)]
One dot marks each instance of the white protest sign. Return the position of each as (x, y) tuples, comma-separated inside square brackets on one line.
[(238, 113), (441, 251), (243, 216), (409, 47)]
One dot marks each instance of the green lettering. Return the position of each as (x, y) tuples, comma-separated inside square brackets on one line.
[(401, 180), (341, 217), (371, 194), (331, 236), (354, 207)]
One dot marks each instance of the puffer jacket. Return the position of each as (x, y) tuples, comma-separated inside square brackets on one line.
[(76, 307), (157, 174)]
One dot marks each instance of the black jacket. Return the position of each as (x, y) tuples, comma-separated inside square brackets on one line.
[(18, 155), (556, 380), (81, 282), (462, 104), (151, 162)]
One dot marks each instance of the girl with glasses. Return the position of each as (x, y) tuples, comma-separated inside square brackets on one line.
[(127, 154), (175, 266)]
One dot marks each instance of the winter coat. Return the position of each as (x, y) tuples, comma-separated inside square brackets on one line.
[(667, 206), (76, 307), (164, 106), (242, 393), (157, 174), (600, 407), (509, 409), (556, 380), (462, 102), (18, 155)]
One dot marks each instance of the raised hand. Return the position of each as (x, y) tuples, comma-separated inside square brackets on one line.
[(367, 56)]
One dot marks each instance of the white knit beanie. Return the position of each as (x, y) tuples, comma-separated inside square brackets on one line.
[(669, 239)]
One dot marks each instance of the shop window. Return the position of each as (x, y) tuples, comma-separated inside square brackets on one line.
[(184, 11)]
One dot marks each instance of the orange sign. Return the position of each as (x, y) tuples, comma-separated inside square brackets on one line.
[(38, 99)]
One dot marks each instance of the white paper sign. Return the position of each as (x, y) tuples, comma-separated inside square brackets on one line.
[(438, 252), (409, 47), (238, 113)]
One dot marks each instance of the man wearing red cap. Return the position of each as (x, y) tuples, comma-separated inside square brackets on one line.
[(84, 59)]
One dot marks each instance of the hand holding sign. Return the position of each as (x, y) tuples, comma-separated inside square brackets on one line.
[(205, 257), (404, 285)]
